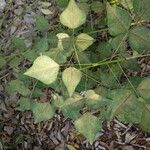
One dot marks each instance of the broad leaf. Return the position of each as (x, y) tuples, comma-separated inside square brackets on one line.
[(17, 86), (118, 43), (58, 101), (42, 111), (144, 89), (62, 3), (72, 106), (118, 20), (93, 100), (58, 55), (61, 36), (89, 126), (23, 104), (104, 50), (132, 65), (97, 7), (83, 41), (125, 106), (52, 40), (41, 45), (19, 43), (142, 9), (42, 24), (15, 61), (72, 16), (84, 7), (71, 78), (145, 119), (128, 4), (30, 55), (44, 69), (139, 39)]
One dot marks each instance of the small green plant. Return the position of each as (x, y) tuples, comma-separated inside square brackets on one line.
[(84, 73)]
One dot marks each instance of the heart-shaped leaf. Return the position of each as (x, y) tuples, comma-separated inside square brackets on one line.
[(118, 20), (42, 111), (72, 16), (61, 36), (89, 126), (44, 69), (142, 9), (84, 41), (139, 39), (42, 24), (71, 78)]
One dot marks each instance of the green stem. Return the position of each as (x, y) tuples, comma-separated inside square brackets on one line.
[(113, 61)]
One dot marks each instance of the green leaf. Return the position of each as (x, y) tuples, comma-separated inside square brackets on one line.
[(104, 50), (72, 106), (71, 78), (139, 39), (42, 24), (42, 111), (125, 106), (42, 45), (132, 65), (58, 55), (84, 7), (30, 55), (72, 16), (83, 41), (58, 101), (37, 92), (145, 118), (118, 20), (23, 104), (93, 100), (128, 4), (97, 7), (142, 9), (61, 36), (17, 86), (62, 3), (89, 126), (144, 89), (15, 61), (19, 43), (52, 40), (118, 43), (44, 69)]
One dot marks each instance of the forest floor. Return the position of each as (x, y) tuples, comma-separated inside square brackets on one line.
[(17, 129)]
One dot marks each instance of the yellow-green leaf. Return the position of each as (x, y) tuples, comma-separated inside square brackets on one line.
[(88, 125), (93, 100), (84, 41), (71, 78), (72, 16), (61, 36), (42, 112), (44, 69), (90, 94)]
